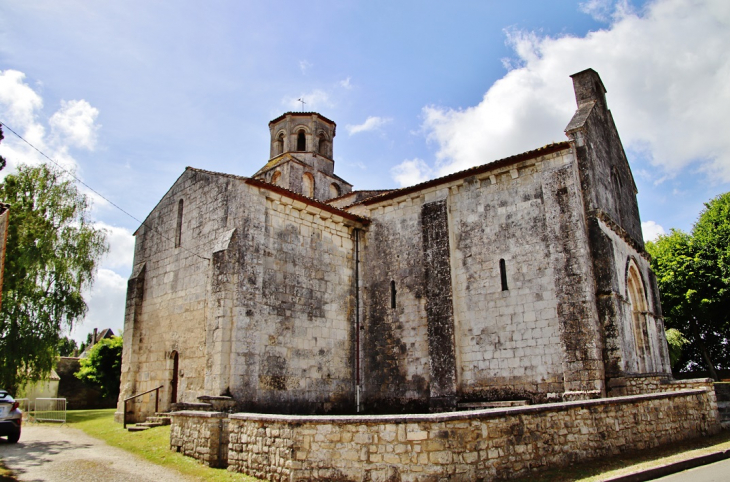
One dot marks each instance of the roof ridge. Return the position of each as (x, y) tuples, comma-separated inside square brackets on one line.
[(546, 149)]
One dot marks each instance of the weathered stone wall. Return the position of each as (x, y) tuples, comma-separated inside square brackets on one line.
[(294, 350), (166, 299), (535, 340), (640, 384), (480, 445), (201, 435)]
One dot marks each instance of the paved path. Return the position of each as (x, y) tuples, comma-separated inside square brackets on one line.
[(52, 453), (717, 472)]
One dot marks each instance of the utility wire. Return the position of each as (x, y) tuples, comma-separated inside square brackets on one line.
[(142, 223)]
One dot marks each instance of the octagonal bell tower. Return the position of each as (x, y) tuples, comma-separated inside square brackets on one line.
[(301, 156)]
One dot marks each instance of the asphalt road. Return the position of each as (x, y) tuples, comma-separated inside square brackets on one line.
[(53, 453), (717, 472)]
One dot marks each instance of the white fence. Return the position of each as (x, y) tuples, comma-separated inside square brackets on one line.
[(43, 409)]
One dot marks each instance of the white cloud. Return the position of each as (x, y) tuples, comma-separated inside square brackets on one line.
[(371, 123), (20, 102), (666, 72), (121, 247), (651, 230), (304, 66), (410, 172), (604, 10), (346, 83), (75, 124), (314, 100), (106, 301)]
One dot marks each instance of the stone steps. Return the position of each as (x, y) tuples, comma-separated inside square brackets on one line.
[(158, 420)]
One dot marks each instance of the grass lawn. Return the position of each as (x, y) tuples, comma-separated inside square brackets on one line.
[(153, 445)]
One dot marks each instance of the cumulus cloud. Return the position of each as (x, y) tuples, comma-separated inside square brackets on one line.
[(121, 247), (410, 172), (371, 123), (651, 230), (106, 301), (666, 72), (72, 126), (75, 124)]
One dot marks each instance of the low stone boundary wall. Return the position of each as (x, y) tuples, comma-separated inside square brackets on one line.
[(479, 445), (641, 384), (201, 435)]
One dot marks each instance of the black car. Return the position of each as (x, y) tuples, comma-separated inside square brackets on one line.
[(10, 417)]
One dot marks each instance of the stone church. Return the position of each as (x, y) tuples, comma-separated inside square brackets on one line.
[(524, 278)]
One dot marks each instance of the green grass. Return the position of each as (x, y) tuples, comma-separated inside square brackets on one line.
[(153, 445)]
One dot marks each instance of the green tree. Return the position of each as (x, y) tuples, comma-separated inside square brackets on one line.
[(103, 367), (2, 159), (67, 346), (675, 340), (693, 274), (51, 257)]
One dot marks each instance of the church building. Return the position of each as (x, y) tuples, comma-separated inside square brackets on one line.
[(524, 278)]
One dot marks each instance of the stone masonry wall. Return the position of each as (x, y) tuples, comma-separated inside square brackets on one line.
[(167, 309), (537, 339), (465, 446), (201, 435), (293, 349)]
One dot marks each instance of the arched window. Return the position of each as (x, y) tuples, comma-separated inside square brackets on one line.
[(308, 185), (301, 141), (637, 300), (503, 274), (276, 178), (322, 145), (334, 190), (280, 144), (178, 227), (392, 294)]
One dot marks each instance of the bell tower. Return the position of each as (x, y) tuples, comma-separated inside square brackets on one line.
[(301, 156)]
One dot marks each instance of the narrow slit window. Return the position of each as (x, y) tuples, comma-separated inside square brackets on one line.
[(503, 274), (392, 295), (178, 227)]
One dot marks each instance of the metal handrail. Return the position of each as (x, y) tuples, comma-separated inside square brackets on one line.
[(157, 401)]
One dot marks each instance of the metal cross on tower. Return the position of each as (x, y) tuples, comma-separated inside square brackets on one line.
[(302, 101)]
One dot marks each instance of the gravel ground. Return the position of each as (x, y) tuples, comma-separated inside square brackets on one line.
[(53, 453)]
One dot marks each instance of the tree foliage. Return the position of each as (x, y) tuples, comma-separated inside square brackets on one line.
[(51, 256), (693, 274), (675, 340), (103, 367), (2, 159), (67, 347)]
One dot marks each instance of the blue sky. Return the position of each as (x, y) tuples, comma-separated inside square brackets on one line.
[(129, 93)]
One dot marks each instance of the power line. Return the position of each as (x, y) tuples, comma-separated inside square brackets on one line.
[(70, 173)]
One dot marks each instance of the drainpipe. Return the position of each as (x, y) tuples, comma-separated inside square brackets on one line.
[(357, 319)]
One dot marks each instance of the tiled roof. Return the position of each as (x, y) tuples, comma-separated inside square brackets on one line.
[(307, 200), (301, 114)]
